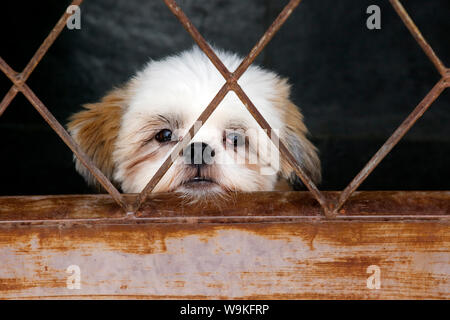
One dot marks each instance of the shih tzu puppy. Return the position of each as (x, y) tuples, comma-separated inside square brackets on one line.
[(133, 129)]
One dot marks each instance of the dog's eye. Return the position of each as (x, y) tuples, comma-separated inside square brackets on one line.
[(235, 139), (164, 135)]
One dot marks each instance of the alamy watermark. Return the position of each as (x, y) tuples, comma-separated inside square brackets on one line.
[(74, 279), (74, 20), (374, 20), (374, 280)]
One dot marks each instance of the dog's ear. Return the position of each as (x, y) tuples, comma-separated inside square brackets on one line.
[(95, 129), (293, 135)]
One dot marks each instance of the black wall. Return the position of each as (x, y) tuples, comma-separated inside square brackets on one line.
[(354, 85)]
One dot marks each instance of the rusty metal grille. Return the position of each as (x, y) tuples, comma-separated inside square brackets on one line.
[(330, 205)]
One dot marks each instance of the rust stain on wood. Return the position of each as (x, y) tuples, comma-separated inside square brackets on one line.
[(284, 250), (241, 207), (235, 261)]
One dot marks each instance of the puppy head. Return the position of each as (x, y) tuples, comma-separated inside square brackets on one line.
[(133, 130)]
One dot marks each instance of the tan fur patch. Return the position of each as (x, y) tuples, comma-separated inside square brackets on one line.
[(294, 137), (96, 128)]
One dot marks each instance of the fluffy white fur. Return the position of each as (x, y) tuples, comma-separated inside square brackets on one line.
[(170, 94)]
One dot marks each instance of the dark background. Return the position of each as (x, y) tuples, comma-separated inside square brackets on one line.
[(354, 85)]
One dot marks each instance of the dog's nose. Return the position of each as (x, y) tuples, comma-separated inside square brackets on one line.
[(199, 153)]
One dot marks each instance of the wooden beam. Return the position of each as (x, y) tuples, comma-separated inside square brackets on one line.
[(262, 245), (243, 207)]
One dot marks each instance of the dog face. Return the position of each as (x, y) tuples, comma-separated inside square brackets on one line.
[(130, 133)]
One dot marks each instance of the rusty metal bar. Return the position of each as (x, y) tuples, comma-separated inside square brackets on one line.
[(68, 140), (256, 50), (37, 57), (62, 133), (195, 34), (231, 84), (409, 23), (390, 143), (265, 39), (412, 118), (409, 228), (248, 60), (7, 99), (53, 35), (232, 80), (246, 207), (19, 80), (9, 72), (283, 149), (179, 147)]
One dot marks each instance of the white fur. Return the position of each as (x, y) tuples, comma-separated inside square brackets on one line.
[(184, 85)]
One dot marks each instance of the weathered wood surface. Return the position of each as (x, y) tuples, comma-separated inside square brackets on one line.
[(241, 207), (263, 245)]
